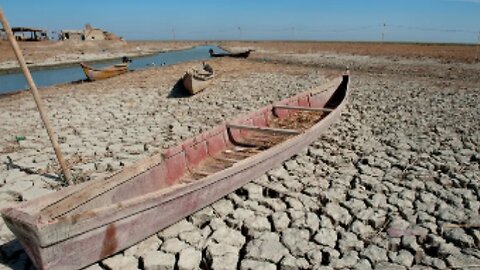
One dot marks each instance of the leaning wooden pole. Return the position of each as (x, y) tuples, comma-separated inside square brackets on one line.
[(36, 96)]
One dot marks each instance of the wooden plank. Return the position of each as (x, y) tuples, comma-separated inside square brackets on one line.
[(300, 108), (266, 129)]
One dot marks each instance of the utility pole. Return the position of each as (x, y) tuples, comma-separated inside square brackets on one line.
[(240, 32), (478, 45), (383, 31), (173, 33)]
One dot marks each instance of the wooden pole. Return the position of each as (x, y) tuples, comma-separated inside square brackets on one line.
[(36, 96)]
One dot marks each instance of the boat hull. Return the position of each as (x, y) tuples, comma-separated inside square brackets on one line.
[(101, 74), (84, 239), (194, 85)]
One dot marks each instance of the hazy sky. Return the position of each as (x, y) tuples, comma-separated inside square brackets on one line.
[(405, 20)]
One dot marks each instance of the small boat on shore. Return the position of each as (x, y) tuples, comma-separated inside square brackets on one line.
[(244, 54), (81, 224), (107, 72), (197, 79)]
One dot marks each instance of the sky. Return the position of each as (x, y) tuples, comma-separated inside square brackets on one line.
[(444, 21)]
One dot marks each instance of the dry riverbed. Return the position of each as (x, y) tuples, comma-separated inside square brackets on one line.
[(393, 185)]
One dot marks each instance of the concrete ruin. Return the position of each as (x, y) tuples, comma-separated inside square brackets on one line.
[(88, 33), (26, 34)]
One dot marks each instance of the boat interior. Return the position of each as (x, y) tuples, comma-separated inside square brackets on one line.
[(208, 153)]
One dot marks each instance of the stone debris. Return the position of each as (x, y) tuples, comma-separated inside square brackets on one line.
[(157, 260), (393, 185)]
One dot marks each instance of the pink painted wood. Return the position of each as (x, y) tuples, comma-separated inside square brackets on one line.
[(82, 224)]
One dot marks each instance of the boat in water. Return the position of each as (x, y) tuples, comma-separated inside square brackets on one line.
[(197, 79), (81, 224), (94, 74)]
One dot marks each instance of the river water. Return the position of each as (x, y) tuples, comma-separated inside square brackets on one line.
[(48, 76)]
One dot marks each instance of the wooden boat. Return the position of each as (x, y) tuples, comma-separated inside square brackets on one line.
[(195, 80), (104, 73), (84, 223), (244, 54)]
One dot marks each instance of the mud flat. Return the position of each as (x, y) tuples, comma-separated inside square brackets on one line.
[(393, 185)]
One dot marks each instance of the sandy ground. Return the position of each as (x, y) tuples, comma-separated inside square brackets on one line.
[(393, 185)]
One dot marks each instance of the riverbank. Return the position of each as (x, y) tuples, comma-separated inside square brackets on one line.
[(39, 55), (393, 185)]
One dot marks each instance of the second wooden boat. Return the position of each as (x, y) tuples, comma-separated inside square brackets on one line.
[(104, 73), (197, 79), (244, 54), (82, 224)]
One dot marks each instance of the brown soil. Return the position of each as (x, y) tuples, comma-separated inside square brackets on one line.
[(444, 52), (40, 51)]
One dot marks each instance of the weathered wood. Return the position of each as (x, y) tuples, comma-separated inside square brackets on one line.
[(101, 228), (226, 159), (105, 73), (265, 129), (300, 108), (196, 80), (37, 98)]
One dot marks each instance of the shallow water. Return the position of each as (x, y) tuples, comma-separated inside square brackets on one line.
[(64, 74)]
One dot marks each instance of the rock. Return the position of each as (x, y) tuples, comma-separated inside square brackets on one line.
[(459, 237), (403, 257), (280, 221), (388, 266), (189, 259), (150, 244), (257, 224), (200, 218), (177, 228), (338, 214), (265, 250), (217, 223), (228, 236), (193, 238), (314, 256), (226, 262), (409, 242), (223, 207), (288, 263), (374, 254), (459, 260), (326, 237), (157, 260), (294, 203), (173, 245), (297, 241), (242, 214), (373, 217), (363, 264), (433, 262), (361, 229), (254, 191), (354, 205), (120, 262), (349, 241), (347, 261), (254, 265), (305, 220)]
